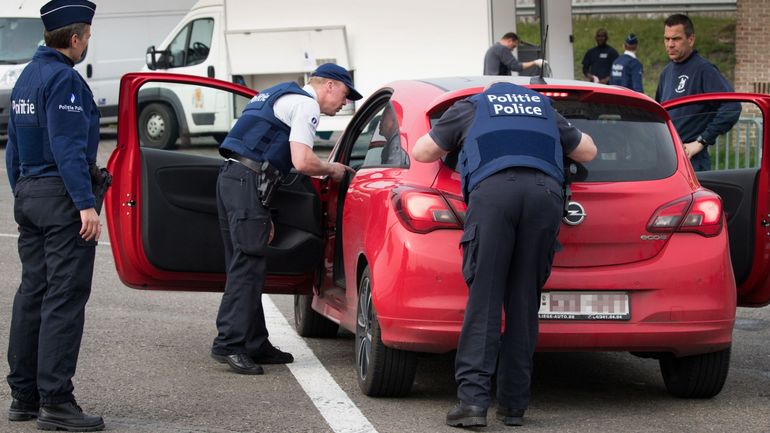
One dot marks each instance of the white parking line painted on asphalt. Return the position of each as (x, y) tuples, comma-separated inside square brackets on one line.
[(342, 415), (6, 235)]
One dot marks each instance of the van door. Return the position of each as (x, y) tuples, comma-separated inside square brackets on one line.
[(739, 174), (162, 214)]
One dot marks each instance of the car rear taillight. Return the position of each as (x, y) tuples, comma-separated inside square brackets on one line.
[(423, 210), (699, 213)]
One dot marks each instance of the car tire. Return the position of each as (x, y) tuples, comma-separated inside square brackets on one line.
[(158, 127), (698, 376), (310, 323), (381, 371)]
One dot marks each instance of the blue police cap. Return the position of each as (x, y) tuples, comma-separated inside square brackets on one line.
[(631, 39), (335, 72), (59, 13)]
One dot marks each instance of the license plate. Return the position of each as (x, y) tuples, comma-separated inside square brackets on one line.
[(584, 306)]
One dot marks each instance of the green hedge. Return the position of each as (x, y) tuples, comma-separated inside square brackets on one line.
[(715, 40)]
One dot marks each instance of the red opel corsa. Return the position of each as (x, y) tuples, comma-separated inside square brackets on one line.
[(646, 265)]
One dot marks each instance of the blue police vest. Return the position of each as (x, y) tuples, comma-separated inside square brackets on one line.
[(513, 127), (54, 125), (258, 134)]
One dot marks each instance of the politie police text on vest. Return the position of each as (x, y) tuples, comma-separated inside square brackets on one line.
[(512, 103)]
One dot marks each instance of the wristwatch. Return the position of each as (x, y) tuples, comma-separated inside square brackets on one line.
[(702, 141)]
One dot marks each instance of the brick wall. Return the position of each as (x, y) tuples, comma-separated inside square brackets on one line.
[(752, 43)]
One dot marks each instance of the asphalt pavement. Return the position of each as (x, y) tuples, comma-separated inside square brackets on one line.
[(144, 366)]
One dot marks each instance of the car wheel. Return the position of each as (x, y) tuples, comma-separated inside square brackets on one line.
[(158, 126), (698, 376), (310, 323), (381, 371)]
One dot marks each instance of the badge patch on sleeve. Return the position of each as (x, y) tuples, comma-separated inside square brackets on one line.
[(71, 107)]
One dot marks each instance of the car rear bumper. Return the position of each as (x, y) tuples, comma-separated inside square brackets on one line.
[(681, 302)]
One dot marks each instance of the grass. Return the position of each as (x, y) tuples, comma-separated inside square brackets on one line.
[(715, 40)]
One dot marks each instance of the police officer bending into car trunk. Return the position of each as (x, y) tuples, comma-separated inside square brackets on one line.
[(512, 144), (273, 135), (53, 135)]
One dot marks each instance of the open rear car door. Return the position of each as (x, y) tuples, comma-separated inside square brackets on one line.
[(161, 209), (740, 160)]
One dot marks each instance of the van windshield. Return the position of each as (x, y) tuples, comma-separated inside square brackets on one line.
[(633, 144), (19, 39)]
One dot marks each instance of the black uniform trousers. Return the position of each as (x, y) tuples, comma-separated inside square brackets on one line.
[(508, 245), (245, 227), (49, 307)]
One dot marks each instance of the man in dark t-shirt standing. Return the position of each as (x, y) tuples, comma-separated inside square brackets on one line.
[(597, 62), (500, 61), (688, 73)]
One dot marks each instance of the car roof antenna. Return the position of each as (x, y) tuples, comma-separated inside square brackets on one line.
[(538, 79)]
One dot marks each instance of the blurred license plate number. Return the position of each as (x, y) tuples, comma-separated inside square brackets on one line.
[(584, 306)]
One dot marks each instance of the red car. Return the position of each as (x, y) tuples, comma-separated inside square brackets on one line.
[(646, 264)]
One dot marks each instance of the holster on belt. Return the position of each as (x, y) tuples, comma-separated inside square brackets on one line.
[(101, 179), (268, 177)]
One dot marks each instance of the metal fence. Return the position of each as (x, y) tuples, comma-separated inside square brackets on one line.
[(741, 147)]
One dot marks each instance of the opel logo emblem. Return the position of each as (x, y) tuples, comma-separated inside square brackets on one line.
[(575, 214)]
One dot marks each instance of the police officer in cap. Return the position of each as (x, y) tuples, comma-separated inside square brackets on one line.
[(273, 135), (53, 135), (512, 144), (627, 70)]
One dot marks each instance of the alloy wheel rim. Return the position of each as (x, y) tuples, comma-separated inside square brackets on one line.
[(364, 325)]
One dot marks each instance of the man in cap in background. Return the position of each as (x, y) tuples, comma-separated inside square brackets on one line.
[(53, 135), (627, 70), (274, 134)]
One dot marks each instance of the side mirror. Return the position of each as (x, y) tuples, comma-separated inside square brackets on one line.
[(157, 59), (150, 58)]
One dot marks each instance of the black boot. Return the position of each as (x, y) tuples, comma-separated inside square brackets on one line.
[(465, 415), (511, 417), (22, 410), (68, 417)]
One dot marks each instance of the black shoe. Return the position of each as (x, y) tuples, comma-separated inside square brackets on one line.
[(68, 417), (465, 415), (269, 354), (22, 410), (239, 363), (510, 416)]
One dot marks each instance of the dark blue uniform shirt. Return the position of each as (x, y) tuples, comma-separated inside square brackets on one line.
[(54, 126), (598, 60), (627, 72), (694, 76)]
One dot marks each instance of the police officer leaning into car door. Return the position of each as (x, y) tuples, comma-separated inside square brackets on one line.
[(53, 135), (512, 142), (273, 135)]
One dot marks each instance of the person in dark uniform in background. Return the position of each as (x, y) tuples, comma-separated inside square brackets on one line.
[(511, 171), (499, 60), (53, 136), (597, 61), (273, 135), (688, 73), (627, 70)]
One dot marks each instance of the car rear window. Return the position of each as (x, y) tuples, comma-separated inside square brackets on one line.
[(633, 144)]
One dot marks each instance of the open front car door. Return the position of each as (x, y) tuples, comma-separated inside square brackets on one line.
[(161, 209), (739, 174)]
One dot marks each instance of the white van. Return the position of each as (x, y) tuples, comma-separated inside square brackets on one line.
[(259, 44), (121, 32)]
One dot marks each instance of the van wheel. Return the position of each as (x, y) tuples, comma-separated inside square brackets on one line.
[(698, 376), (158, 127), (381, 371), (310, 323)]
